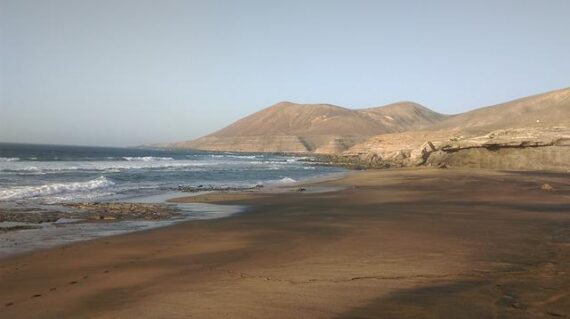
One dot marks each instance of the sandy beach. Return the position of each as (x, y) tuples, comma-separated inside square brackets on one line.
[(403, 243)]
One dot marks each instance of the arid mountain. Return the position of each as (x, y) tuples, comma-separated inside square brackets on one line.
[(542, 110), (319, 128), (529, 133), (288, 118)]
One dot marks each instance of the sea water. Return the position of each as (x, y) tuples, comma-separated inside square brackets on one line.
[(36, 175), (49, 174)]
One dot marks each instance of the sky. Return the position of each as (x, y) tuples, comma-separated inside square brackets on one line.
[(132, 72)]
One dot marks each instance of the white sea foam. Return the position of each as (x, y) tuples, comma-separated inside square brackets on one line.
[(9, 159), (21, 192), (286, 180), (102, 166), (53, 167), (233, 156), (148, 158)]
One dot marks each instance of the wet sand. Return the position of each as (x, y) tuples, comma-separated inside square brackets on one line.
[(393, 244)]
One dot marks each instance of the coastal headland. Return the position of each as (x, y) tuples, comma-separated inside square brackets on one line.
[(400, 243)]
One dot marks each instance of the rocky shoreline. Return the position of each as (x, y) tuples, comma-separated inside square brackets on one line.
[(33, 217), (515, 149), (214, 188), (123, 211), (85, 211)]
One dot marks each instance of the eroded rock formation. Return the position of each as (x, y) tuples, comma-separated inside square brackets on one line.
[(521, 148)]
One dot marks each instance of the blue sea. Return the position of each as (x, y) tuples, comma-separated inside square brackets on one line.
[(49, 173), (36, 176)]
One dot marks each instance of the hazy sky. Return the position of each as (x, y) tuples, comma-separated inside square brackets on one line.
[(113, 72)]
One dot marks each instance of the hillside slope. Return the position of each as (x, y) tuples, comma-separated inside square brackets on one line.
[(528, 133), (542, 110), (319, 128)]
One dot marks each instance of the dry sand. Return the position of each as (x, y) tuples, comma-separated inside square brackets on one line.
[(393, 244)]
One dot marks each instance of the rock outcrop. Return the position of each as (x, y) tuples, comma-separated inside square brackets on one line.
[(522, 148), (529, 133), (122, 211), (21, 219)]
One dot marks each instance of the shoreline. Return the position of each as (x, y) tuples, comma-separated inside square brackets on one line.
[(310, 185), (98, 220), (455, 241)]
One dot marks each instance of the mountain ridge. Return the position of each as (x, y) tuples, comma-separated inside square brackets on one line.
[(288, 127), (299, 128), (549, 108), (529, 133)]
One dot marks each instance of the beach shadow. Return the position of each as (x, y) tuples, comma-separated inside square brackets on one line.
[(461, 299)]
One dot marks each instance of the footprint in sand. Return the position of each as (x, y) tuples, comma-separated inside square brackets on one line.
[(36, 296), (8, 304), (72, 282)]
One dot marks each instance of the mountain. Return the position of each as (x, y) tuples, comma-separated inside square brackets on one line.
[(542, 110), (319, 128), (528, 133)]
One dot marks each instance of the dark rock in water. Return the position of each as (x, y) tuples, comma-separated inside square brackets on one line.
[(123, 211), (16, 227), (301, 189), (86, 211), (214, 188), (33, 217)]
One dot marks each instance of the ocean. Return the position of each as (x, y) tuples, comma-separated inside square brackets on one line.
[(50, 174), (34, 177)]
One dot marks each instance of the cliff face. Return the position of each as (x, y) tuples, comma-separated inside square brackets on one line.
[(523, 148), (313, 128), (529, 133)]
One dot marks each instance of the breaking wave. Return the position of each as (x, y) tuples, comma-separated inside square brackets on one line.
[(9, 159), (286, 180), (103, 166), (21, 192), (147, 158), (235, 156)]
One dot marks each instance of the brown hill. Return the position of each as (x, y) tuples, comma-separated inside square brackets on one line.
[(321, 128), (542, 110), (528, 133)]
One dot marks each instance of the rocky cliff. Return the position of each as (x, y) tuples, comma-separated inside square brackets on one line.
[(528, 133), (522, 148)]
